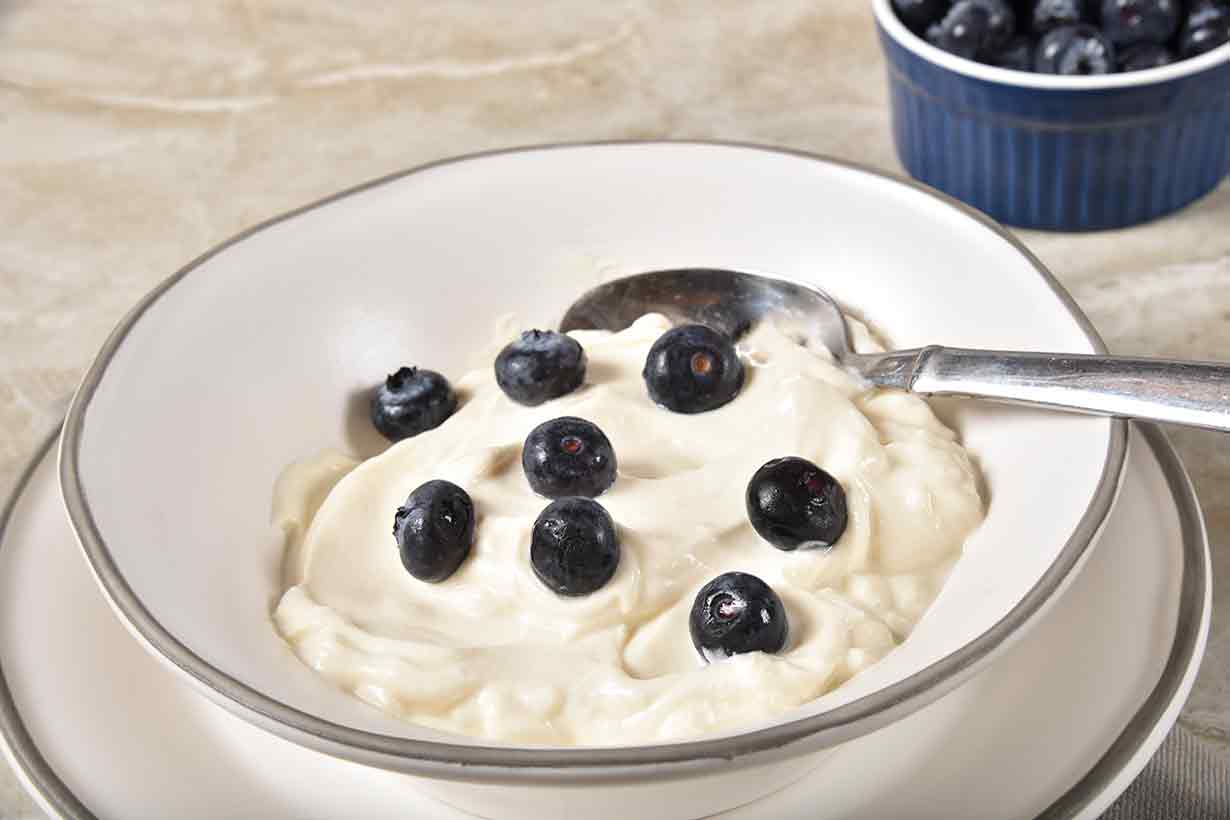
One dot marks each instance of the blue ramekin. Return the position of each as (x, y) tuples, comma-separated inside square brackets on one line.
[(1058, 153)]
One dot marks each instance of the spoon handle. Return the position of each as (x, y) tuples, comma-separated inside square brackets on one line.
[(1196, 394)]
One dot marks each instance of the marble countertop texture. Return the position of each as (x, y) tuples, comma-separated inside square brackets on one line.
[(135, 135)]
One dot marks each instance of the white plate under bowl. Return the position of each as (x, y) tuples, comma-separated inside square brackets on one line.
[(1058, 726)]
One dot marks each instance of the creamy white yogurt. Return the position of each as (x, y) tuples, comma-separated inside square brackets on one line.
[(492, 653)]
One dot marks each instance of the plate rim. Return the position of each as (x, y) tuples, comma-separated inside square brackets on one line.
[(1192, 623), (484, 763), (23, 755), (1098, 786)]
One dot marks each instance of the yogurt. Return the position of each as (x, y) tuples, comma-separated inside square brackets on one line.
[(492, 653)]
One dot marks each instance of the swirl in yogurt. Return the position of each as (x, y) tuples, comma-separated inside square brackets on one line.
[(492, 653)]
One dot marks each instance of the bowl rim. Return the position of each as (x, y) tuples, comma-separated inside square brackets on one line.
[(488, 763), (890, 24)]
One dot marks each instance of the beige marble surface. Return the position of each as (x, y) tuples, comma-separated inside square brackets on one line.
[(134, 135)]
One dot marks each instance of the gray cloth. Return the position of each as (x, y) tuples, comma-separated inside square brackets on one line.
[(1183, 781)]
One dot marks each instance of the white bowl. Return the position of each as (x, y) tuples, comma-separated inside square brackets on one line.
[(259, 352)]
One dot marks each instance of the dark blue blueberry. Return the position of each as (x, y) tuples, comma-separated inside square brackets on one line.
[(539, 366), (1048, 14), (737, 613), (792, 503), (692, 368), (1001, 19), (568, 456), (1143, 56), (434, 530), (1075, 51), (965, 37), (1207, 27), (1125, 22), (919, 14), (1018, 55), (974, 28), (411, 401), (574, 548)]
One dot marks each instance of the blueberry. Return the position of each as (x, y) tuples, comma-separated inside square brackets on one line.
[(737, 613), (540, 365), (1017, 55), (1002, 21), (573, 548), (1075, 51), (918, 14), (966, 38), (693, 368), (434, 530), (1140, 21), (410, 402), (793, 503), (1143, 56), (1207, 27), (568, 456), (1049, 14), (973, 28)]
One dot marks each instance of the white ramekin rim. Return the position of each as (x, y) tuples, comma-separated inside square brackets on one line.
[(908, 40)]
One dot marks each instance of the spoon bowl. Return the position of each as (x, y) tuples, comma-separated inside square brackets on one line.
[(724, 300)]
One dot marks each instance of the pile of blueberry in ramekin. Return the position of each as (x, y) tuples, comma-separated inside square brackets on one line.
[(1070, 37)]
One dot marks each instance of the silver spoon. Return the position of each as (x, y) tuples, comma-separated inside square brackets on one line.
[(1196, 394)]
